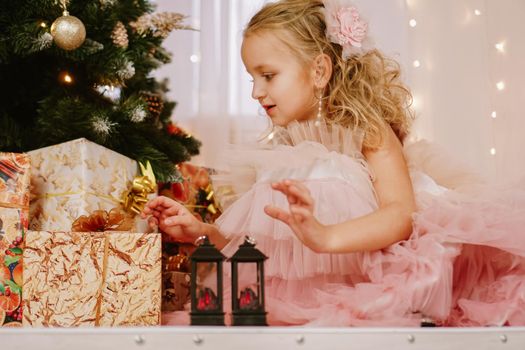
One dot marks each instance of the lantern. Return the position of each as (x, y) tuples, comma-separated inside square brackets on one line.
[(206, 285), (248, 285)]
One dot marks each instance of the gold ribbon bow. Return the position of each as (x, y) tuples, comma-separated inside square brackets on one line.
[(213, 207), (136, 198), (101, 221), (210, 197)]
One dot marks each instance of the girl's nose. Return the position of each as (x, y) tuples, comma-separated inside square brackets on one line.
[(257, 92)]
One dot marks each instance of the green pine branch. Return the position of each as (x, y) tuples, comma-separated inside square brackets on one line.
[(52, 95)]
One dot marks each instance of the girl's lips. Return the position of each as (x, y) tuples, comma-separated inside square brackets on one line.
[(269, 108)]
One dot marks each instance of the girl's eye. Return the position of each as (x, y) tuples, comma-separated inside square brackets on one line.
[(268, 76)]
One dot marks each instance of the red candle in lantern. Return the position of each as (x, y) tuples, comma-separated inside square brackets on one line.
[(207, 300), (248, 299)]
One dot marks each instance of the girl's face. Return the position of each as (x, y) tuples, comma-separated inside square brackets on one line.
[(281, 83)]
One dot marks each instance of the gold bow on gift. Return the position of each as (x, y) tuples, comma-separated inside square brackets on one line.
[(136, 198), (210, 197), (101, 220), (213, 207)]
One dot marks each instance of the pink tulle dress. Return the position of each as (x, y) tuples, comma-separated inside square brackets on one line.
[(463, 265)]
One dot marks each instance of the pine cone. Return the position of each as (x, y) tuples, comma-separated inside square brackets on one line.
[(120, 35), (155, 105)]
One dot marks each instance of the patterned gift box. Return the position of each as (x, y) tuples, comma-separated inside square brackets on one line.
[(175, 275), (14, 202), (77, 178), (92, 279), (175, 290)]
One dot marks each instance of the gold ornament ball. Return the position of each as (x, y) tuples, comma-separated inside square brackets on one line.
[(68, 32)]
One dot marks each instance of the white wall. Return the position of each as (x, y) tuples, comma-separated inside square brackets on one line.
[(454, 87)]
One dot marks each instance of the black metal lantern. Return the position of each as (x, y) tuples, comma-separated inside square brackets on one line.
[(206, 285), (248, 285)]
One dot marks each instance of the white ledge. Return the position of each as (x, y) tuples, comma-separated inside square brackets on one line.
[(264, 338)]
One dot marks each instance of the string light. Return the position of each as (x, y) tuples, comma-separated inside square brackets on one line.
[(412, 23), (416, 64), (43, 24), (195, 58), (500, 47), (65, 77), (500, 85), (494, 114), (477, 12), (493, 151)]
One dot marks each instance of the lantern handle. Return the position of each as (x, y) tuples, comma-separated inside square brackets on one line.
[(250, 240)]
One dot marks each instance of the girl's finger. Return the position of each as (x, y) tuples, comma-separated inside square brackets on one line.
[(302, 193), (277, 213), (284, 190), (175, 209), (160, 203), (177, 220), (155, 213), (153, 222), (300, 211), (299, 214), (279, 186), (299, 184), (291, 199)]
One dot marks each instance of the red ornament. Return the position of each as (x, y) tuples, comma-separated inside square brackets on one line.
[(180, 191), (173, 129)]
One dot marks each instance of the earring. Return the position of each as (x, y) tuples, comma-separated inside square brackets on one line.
[(319, 117)]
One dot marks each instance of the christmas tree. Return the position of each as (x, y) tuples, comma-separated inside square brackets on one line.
[(60, 83)]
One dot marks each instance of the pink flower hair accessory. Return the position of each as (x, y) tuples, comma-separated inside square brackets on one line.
[(345, 27)]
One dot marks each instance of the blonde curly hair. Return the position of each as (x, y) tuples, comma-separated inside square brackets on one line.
[(364, 91)]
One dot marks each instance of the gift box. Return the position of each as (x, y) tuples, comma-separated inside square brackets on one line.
[(175, 290), (92, 279), (175, 275), (14, 202), (77, 178)]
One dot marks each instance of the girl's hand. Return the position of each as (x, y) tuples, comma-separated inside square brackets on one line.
[(173, 219), (300, 218)]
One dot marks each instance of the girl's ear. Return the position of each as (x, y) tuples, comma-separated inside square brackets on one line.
[(322, 68)]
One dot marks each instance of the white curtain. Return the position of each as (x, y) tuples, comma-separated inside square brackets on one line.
[(457, 81), (207, 77), (453, 81)]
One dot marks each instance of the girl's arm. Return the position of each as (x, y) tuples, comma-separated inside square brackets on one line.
[(215, 236), (390, 223)]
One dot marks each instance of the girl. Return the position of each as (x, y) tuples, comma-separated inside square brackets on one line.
[(333, 203)]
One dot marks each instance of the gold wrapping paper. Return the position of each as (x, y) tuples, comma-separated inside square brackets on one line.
[(92, 279), (76, 178)]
